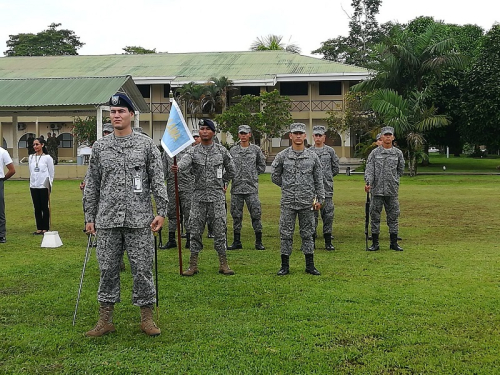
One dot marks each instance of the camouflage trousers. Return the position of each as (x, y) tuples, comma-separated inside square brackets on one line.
[(200, 214), (287, 227), (185, 207), (391, 205), (253, 205), (327, 213), (139, 244)]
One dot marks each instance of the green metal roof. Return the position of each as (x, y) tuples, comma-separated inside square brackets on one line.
[(47, 93), (183, 67)]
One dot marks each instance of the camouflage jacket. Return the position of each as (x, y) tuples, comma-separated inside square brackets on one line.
[(185, 180), (330, 162), (300, 177), (384, 167), (110, 197), (249, 163), (212, 167)]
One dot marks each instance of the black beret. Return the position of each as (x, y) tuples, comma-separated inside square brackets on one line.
[(207, 122), (121, 100)]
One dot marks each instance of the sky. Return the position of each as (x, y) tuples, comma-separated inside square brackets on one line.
[(178, 26)]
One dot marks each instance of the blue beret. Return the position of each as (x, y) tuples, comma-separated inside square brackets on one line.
[(207, 122), (121, 100)]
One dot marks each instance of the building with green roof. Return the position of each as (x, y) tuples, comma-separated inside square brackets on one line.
[(314, 86)]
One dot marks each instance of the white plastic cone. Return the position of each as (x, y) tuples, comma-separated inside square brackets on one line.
[(51, 239)]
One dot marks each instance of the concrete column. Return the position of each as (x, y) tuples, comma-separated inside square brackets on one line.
[(15, 146)]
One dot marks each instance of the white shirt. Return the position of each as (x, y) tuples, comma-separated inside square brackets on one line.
[(5, 159), (41, 168)]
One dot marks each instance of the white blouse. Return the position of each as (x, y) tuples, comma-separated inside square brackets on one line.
[(41, 168)]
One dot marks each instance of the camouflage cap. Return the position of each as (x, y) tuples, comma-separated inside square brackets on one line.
[(195, 133), (244, 129), (297, 127), (387, 130), (378, 136), (107, 128), (319, 129)]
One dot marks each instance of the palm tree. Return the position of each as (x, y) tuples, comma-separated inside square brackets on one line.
[(194, 95), (273, 43), (224, 85)]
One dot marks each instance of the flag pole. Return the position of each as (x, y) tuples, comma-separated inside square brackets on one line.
[(177, 213)]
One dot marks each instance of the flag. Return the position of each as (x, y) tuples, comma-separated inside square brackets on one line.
[(177, 135)]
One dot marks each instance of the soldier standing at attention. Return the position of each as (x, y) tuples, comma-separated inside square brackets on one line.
[(124, 170), (330, 163), (249, 162), (384, 167), (297, 170), (213, 168)]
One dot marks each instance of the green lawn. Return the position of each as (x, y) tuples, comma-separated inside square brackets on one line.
[(431, 309), (490, 164)]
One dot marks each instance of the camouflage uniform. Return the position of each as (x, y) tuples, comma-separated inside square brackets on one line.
[(213, 168), (249, 163), (300, 176), (384, 167), (186, 186), (121, 216), (330, 164)]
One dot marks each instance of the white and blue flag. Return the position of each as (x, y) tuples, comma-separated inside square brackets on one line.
[(177, 135)]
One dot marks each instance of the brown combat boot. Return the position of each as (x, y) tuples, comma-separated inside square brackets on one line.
[(193, 265), (105, 323), (224, 267), (148, 325)]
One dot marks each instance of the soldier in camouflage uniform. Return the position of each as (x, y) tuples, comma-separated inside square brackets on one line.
[(384, 167), (330, 163), (297, 170), (249, 162), (124, 170), (185, 182), (213, 168)]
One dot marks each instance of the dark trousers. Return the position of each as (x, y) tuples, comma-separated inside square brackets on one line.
[(3, 228), (40, 199)]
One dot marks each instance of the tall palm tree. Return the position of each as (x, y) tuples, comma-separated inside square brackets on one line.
[(193, 94), (273, 43)]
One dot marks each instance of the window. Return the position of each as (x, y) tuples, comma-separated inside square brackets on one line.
[(294, 88), (250, 90), (65, 140), (166, 91), (144, 89), (23, 141), (330, 88)]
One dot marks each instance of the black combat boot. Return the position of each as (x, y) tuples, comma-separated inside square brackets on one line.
[(328, 242), (375, 246), (236, 243), (171, 241), (188, 240), (285, 265), (310, 265), (258, 241), (394, 242)]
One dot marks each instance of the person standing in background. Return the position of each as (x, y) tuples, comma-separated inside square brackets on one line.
[(5, 162)]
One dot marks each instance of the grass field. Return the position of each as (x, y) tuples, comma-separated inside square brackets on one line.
[(431, 309)]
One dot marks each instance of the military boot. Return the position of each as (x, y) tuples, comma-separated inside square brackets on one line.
[(224, 267), (328, 242), (148, 325), (310, 265), (193, 265), (171, 244), (285, 265), (105, 323), (375, 246), (394, 242), (236, 243), (188, 240), (258, 241)]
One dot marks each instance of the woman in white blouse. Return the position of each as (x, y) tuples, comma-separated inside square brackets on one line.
[(41, 176)]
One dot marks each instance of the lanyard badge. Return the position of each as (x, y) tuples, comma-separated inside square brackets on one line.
[(137, 181)]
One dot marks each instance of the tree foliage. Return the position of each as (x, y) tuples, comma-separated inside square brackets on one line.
[(364, 32), (483, 94), (85, 130), (268, 115), (50, 42), (273, 43), (137, 50)]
